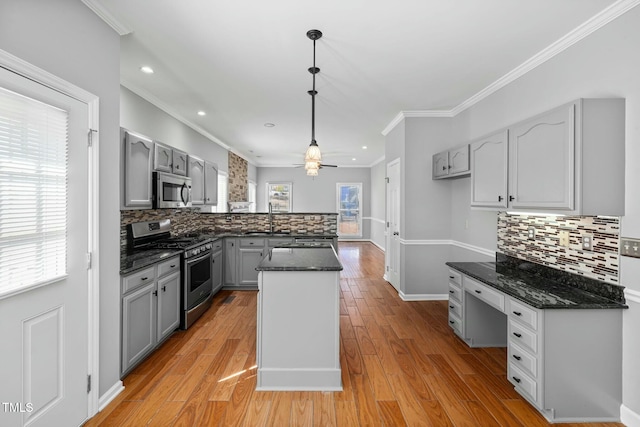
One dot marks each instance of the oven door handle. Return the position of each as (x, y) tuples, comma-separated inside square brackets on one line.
[(200, 258), (185, 187)]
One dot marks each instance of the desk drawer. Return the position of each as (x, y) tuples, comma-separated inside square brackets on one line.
[(484, 293), (522, 313), (523, 359), (169, 266), (455, 308), (455, 324), (138, 279), (455, 277), (455, 293), (522, 336), (526, 385)]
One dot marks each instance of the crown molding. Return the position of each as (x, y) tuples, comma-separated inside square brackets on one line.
[(381, 159), (596, 22), (107, 17), (173, 113)]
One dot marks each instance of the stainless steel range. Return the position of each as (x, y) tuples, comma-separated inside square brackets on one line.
[(197, 285)]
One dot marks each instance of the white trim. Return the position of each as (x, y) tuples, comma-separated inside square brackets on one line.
[(110, 394), (434, 242), (607, 15), (473, 248), (370, 218), (628, 417), (379, 247), (36, 74), (375, 162), (107, 17), (631, 295), (423, 297)]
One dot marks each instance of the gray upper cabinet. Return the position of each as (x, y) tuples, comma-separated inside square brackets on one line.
[(137, 164), (196, 171), (210, 183), (569, 160), (169, 159), (451, 163), (489, 165)]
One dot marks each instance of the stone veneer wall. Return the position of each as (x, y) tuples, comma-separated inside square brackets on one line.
[(184, 221), (601, 263), (238, 191)]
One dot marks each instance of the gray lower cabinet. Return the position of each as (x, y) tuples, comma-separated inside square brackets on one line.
[(241, 257), (150, 310), (216, 270), (249, 259), (565, 362), (230, 273)]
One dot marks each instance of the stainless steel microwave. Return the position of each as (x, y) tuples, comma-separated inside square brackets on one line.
[(171, 191)]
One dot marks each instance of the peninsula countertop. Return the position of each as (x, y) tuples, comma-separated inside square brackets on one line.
[(535, 289), (300, 259)]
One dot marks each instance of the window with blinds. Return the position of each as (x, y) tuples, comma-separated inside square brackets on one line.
[(222, 193), (33, 192), (252, 195)]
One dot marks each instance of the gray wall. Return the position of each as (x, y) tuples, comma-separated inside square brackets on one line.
[(67, 39), (139, 115), (317, 194), (377, 205)]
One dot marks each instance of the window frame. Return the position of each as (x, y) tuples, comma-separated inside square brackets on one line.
[(339, 185), (269, 186)]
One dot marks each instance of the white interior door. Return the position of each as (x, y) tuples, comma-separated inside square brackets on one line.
[(393, 219), (43, 322)]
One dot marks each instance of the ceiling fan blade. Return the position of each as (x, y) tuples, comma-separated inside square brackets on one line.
[(328, 166)]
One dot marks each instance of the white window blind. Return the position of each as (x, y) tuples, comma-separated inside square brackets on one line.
[(252, 195), (33, 192), (222, 192)]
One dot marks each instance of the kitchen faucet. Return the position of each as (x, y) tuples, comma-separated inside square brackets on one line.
[(270, 218)]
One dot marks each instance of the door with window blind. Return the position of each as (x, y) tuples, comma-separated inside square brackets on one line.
[(43, 253)]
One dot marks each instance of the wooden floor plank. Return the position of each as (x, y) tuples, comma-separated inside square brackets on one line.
[(401, 365)]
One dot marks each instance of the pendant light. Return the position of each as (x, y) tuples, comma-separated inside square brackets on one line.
[(313, 156)]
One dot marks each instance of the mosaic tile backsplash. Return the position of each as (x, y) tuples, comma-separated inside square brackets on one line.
[(601, 263), (184, 221)]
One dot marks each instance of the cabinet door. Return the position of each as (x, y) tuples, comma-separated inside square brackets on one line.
[(180, 159), (138, 325), (249, 260), (541, 161), (459, 160), (440, 164), (216, 271), (489, 157), (230, 262), (137, 172), (196, 173), (162, 157), (168, 305), (210, 183)]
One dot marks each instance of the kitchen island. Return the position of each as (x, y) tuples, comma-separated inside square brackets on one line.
[(298, 323)]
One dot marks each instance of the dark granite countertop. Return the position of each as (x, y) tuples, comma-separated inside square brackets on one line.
[(531, 285), (145, 258), (300, 259)]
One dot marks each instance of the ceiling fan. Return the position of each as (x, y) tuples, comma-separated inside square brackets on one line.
[(320, 165)]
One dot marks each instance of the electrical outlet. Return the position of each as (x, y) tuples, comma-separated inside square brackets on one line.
[(531, 233), (630, 247), (587, 242), (564, 238)]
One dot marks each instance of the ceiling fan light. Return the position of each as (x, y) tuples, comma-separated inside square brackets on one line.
[(312, 172), (313, 153), (311, 165)]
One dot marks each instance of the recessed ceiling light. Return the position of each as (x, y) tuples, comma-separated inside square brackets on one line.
[(146, 69), (364, 147), (269, 125), (202, 113), (353, 158)]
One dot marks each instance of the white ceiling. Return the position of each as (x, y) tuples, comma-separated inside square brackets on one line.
[(245, 64)]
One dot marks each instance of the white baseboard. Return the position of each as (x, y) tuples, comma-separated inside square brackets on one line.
[(109, 395), (423, 297), (628, 417), (377, 245)]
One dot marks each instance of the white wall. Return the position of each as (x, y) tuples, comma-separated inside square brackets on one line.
[(139, 115), (67, 39), (377, 205)]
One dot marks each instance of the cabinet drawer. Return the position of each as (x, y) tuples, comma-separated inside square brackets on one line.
[(522, 313), (138, 279), (272, 243), (524, 384), (522, 336), (216, 245), (169, 266), (523, 359), (484, 293), (250, 242), (455, 324), (455, 277), (455, 293), (455, 308)]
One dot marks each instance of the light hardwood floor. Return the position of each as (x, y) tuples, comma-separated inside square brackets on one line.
[(401, 365)]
